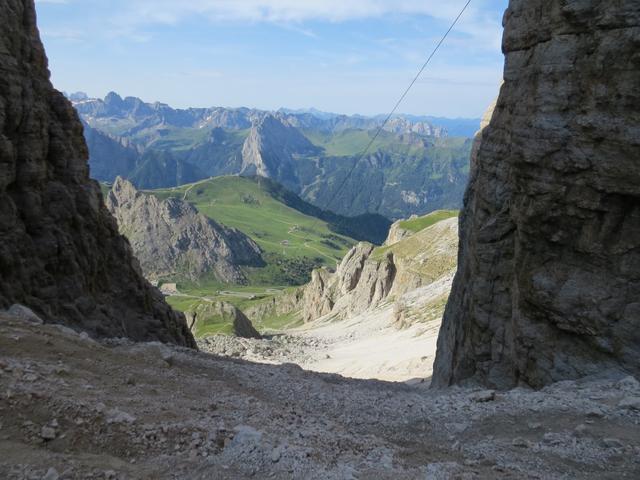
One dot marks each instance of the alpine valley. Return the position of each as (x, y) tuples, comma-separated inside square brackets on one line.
[(297, 333), (414, 166)]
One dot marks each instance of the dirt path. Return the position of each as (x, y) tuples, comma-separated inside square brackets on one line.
[(200, 182), (78, 409)]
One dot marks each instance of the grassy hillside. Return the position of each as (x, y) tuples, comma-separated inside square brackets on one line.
[(293, 242), (349, 142), (426, 236), (243, 297), (430, 253), (420, 223)]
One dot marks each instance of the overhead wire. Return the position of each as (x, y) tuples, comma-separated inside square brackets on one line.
[(393, 111)]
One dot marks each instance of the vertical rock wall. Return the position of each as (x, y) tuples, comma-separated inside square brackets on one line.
[(60, 251), (548, 284)]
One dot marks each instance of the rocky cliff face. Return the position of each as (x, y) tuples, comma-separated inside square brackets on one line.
[(367, 276), (60, 251), (397, 233), (171, 238), (270, 151), (548, 284), (109, 157)]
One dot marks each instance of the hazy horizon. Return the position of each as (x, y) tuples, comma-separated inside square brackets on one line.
[(283, 108), (349, 58)]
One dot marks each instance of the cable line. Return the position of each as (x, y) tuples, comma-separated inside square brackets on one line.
[(395, 108)]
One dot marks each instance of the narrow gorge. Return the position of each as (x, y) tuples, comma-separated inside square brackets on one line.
[(537, 363)]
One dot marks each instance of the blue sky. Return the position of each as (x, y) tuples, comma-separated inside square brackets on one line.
[(345, 56)]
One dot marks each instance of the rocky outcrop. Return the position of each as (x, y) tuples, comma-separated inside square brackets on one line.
[(171, 238), (397, 233), (548, 281), (270, 151), (276, 306), (60, 251), (222, 314), (369, 276)]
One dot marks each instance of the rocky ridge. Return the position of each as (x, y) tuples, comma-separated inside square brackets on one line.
[(368, 276), (172, 239), (134, 111), (548, 280), (377, 316), (397, 233), (60, 250)]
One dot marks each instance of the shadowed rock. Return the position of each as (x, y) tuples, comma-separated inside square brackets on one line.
[(60, 251), (548, 283)]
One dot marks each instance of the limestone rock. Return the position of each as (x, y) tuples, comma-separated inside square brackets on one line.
[(223, 313), (171, 238), (270, 148), (318, 298), (24, 313), (630, 403), (52, 474), (549, 275), (48, 433), (286, 302), (397, 233), (367, 276), (242, 326), (60, 251)]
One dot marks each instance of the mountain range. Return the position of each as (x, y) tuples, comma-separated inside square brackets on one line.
[(412, 167)]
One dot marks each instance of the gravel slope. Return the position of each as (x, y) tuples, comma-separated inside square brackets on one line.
[(75, 409)]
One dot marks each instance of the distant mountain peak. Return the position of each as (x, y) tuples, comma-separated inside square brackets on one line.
[(113, 98), (270, 150)]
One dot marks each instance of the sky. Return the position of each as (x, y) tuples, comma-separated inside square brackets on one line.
[(343, 56)]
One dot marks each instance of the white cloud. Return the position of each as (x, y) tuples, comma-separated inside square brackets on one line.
[(70, 34), (481, 30), (131, 16), (169, 11), (299, 11)]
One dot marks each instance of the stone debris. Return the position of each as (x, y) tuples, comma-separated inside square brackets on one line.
[(213, 417), (631, 403), (520, 442), (281, 348), (52, 474), (48, 433), (118, 416), (612, 443), (483, 396), (24, 313)]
